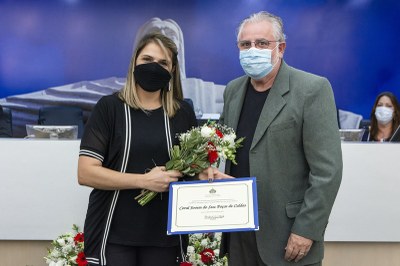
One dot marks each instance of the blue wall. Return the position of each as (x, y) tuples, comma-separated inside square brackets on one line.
[(354, 43)]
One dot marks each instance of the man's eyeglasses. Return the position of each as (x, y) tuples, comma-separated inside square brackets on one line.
[(259, 43)]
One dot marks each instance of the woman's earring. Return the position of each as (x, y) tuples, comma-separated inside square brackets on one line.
[(169, 86)]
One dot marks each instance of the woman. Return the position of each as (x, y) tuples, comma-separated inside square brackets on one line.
[(125, 143), (385, 119)]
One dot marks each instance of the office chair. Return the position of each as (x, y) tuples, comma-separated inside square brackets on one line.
[(365, 123), (62, 115), (5, 122), (348, 120)]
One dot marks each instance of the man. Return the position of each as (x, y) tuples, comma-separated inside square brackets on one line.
[(292, 147)]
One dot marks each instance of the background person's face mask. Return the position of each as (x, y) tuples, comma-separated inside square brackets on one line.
[(383, 114), (257, 63), (151, 77)]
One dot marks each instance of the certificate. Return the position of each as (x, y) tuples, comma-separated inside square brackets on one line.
[(219, 206)]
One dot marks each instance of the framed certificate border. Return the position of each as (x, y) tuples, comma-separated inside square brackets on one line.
[(226, 205)]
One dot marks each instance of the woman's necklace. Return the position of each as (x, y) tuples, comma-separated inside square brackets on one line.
[(383, 134)]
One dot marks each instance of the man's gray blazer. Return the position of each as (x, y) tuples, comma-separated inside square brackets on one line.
[(295, 156)]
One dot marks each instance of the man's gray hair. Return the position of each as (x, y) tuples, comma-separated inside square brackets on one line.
[(276, 22)]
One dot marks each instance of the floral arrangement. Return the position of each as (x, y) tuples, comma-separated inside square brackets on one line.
[(67, 250), (203, 249), (198, 149)]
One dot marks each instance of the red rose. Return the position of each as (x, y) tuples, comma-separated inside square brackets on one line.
[(81, 259), (79, 238), (207, 255), (185, 263), (212, 153), (219, 133), (212, 156)]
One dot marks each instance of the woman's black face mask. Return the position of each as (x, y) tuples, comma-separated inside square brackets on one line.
[(152, 77)]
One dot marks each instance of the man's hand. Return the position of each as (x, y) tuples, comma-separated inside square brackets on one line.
[(212, 173), (297, 247)]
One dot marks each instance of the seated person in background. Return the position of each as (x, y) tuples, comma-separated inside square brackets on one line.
[(385, 119)]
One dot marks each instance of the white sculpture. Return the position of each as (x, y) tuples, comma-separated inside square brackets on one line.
[(206, 96)]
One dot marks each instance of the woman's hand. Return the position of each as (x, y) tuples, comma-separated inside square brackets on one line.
[(212, 173), (158, 179)]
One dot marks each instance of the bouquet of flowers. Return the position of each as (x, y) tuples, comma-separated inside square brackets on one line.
[(203, 249), (67, 250), (198, 149)]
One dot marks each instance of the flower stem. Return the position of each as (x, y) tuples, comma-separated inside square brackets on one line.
[(145, 196)]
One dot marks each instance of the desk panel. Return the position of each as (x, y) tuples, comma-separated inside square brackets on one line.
[(40, 197), (367, 207), (39, 194)]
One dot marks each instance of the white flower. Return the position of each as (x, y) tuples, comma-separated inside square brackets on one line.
[(198, 236), (55, 253), (198, 242), (66, 249), (73, 259), (48, 260), (206, 131), (184, 136), (61, 241), (192, 257), (70, 240), (190, 250), (230, 138), (222, 153), (60, 263)]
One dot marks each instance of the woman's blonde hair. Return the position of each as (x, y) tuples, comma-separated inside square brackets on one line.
[(169, 98)]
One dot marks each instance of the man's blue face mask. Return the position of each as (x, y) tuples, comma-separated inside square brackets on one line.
[(257, 63)]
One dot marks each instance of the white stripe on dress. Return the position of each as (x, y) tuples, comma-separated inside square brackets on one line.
[(92, 154), (116, 193)]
